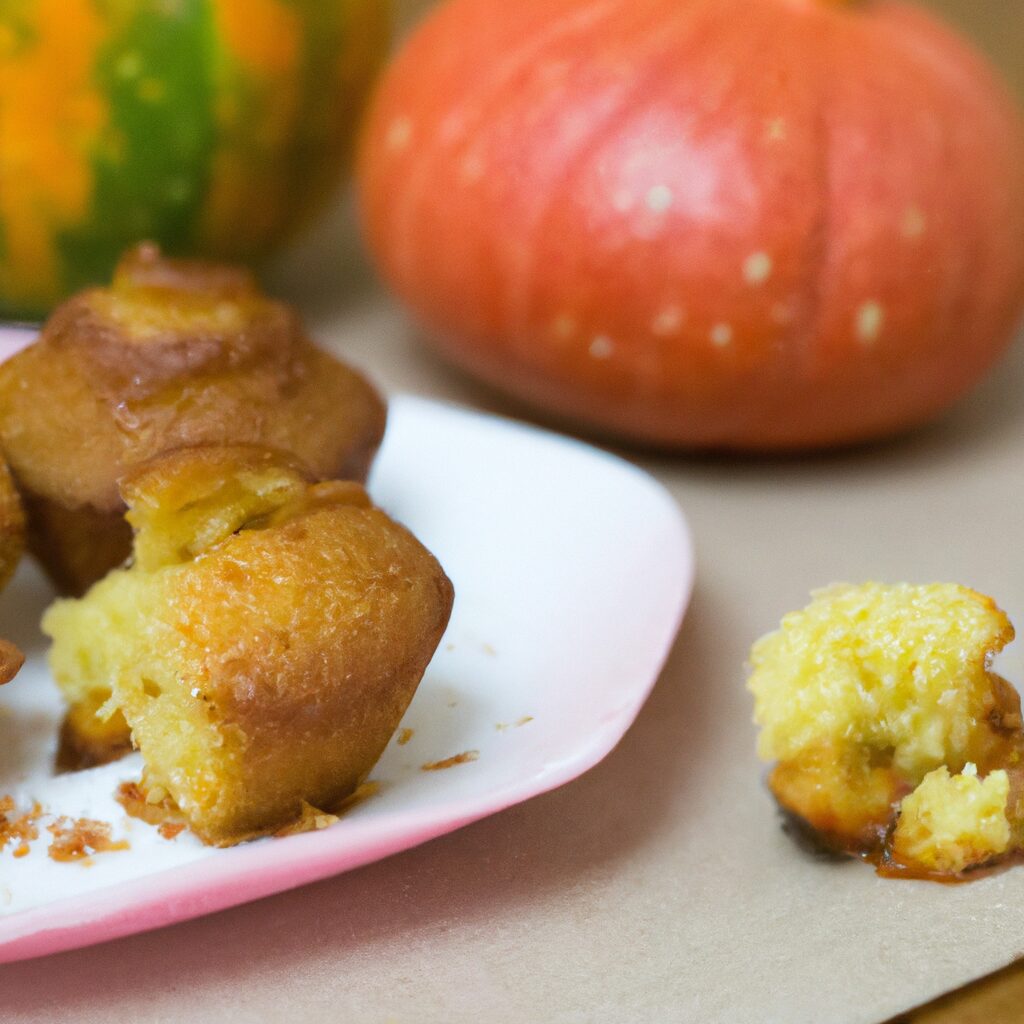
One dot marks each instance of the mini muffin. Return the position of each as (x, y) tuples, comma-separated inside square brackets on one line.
[(173, 354), (12, 543), (264, 643), (892, 736)]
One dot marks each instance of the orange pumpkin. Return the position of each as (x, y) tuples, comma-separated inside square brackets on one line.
[(747, 224)]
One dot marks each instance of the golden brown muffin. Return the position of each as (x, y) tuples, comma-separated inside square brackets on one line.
[(264, 643), (173, 354), (12, 543), (892, 737)]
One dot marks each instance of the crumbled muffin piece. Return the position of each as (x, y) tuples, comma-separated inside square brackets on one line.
[(76, 839), (873, 691), (18, 829), (12, 544), (954, 822)]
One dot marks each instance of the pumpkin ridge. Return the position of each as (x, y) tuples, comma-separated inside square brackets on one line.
[(955, 306), (152, 163), (509, 68), (795, 372), (256, 47), (597, 136), (821, 256), (315, 127), (921, 45)]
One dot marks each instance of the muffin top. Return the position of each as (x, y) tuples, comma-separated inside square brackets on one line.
[(176, 353)]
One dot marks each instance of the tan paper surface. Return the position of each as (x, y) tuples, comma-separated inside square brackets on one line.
[(659, 887)]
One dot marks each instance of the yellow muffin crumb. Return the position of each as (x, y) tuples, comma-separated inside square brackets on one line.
[(953, 822), (868, 690)]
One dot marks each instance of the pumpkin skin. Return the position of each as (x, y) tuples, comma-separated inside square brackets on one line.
[(213, 126), (731, 224)]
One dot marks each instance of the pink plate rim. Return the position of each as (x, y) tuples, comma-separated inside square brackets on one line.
[(246, 873)]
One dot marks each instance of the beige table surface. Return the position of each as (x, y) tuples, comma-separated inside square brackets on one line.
[(658, 887)]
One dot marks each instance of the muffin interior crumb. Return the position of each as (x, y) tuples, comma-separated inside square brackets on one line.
[(892, 737), (120, 659)]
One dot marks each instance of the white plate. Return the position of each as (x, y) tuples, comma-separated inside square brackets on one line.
[(572, 570)]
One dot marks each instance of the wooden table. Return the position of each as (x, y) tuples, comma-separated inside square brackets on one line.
[(998, 999)]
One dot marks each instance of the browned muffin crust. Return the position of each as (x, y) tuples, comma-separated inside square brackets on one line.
[(172, 354), (12, 544), (11, 660), (12, 526), (263, 645)]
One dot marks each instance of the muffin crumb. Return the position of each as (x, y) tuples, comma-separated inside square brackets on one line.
[(892, 737)]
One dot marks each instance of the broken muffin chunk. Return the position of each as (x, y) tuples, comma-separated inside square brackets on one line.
[(12, 544), (892, 737), (264, 643), (174, 353), (952, 822), (12, 526)]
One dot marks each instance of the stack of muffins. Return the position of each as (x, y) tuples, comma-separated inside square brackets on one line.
[(187, 467)]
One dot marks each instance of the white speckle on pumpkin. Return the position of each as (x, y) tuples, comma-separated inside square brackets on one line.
[(914, 223), (602, 347), (564, 326), (399, 134), (472, 169), (776, 129), (128, 65), (668, 321), (659, 198), (721, 335), (870, 321), (623, 200), (758, 268)]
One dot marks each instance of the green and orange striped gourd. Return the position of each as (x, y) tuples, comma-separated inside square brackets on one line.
[(215, 127)]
